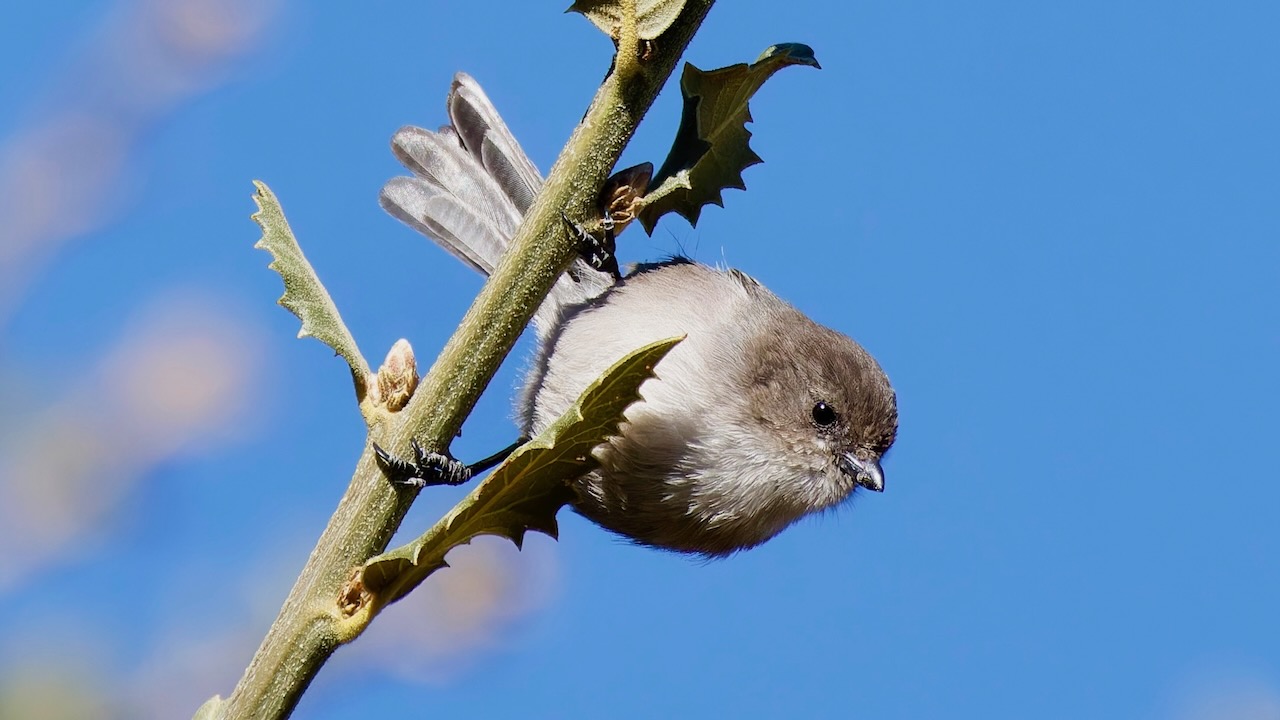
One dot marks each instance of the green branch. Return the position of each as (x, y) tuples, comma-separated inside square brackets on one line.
[(313, 621)]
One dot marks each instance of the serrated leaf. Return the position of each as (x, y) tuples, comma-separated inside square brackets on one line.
[(526, 491), (653, 17), (304, 294), (712, 146)]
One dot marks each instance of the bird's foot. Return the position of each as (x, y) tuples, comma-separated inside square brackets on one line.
[(597, 252), (424, 470)]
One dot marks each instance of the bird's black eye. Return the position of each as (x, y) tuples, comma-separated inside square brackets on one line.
[(824, 415)]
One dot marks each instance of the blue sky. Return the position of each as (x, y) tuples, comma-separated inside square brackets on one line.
[(1055, 226)]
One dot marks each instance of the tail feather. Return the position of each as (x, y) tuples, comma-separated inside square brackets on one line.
[(488, 139), (473, 182), (439, 160), (453, 224), (471, 187)]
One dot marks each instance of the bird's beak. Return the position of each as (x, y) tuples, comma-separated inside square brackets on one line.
[(866, 473)]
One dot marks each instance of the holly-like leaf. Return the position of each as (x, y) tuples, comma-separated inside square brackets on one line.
[(653, 17), (304, 294), (526, 491), (712, 146)]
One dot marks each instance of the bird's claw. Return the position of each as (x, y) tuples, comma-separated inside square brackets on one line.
[(426, 468), (596, 252)]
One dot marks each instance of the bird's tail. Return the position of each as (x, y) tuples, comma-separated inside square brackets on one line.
[(471, 187)]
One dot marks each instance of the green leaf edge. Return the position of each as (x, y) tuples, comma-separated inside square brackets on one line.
[(649, 24), (674, 175), (601, 406), (304, 295)]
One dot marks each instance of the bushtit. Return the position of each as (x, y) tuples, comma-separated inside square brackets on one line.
[(759, 417)]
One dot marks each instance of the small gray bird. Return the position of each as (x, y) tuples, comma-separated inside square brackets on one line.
[(759, 417)]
